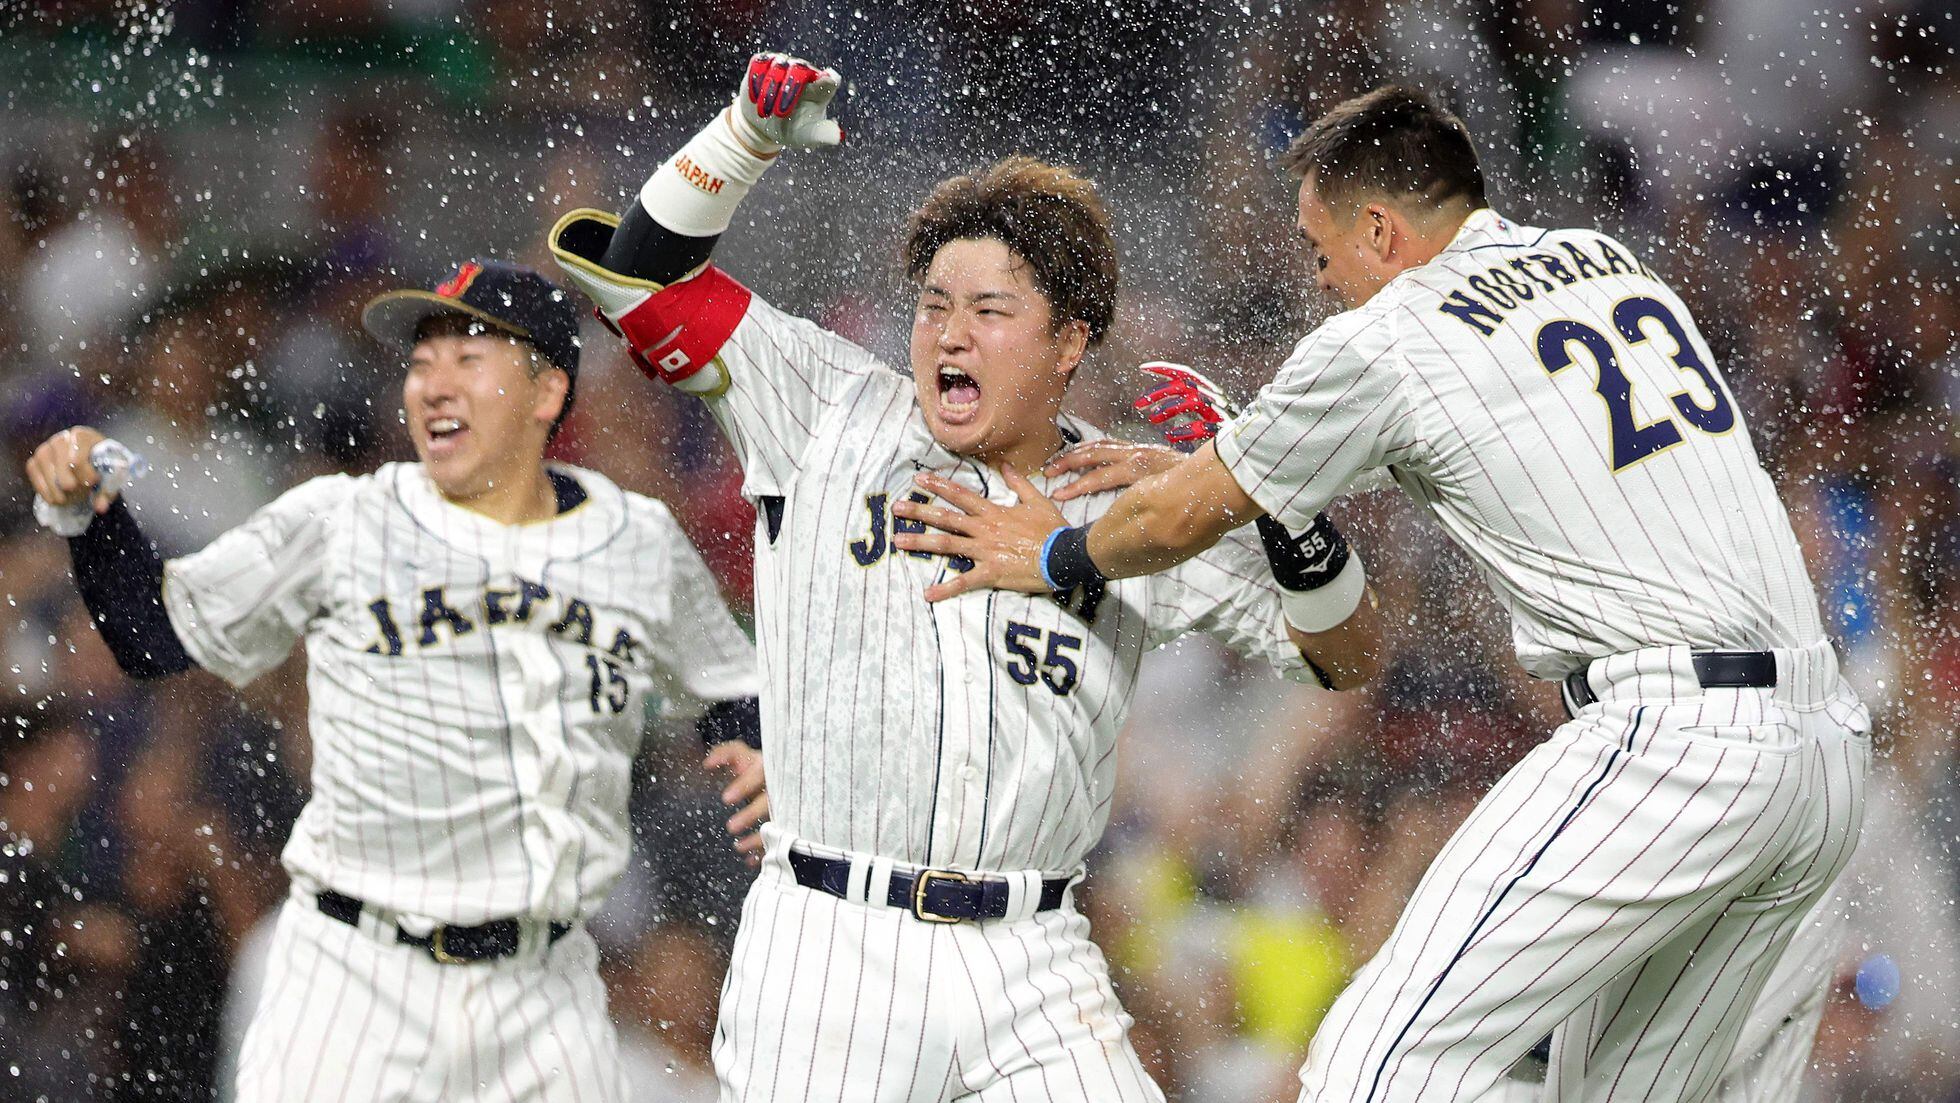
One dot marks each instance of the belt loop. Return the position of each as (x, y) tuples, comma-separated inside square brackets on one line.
[(857, 885), (878, 881), (377, 923), (775, 849), (1023, 895)]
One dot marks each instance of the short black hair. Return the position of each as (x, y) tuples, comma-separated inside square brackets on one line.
[(1396, 141), (1049, 216)]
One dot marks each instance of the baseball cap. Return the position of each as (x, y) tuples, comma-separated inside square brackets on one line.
[(511, 298)]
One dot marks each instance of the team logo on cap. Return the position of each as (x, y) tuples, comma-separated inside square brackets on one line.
[(454, 286)]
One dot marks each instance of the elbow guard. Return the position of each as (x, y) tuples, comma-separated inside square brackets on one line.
[(674, 332)]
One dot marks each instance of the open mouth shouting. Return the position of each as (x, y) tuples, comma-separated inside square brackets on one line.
[(446, 435), (959, 396)]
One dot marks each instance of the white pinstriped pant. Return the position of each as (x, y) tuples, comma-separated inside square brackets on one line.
[(828, 999), (348, 1015), (1772, 1052), (1627, 887)]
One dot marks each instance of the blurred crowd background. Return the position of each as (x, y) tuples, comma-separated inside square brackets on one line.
[(196, 196)]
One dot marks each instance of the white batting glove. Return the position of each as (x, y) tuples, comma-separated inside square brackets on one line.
[(784, 102), (781, 103)]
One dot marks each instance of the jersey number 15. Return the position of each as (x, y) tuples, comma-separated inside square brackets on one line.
[(1631, 441)]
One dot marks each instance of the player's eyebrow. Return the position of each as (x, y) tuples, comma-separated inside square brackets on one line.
[(1012, 297)]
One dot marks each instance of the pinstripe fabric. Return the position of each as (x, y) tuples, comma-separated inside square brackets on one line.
[(1772, 1049), (831, 1000), (975, 734), (482, 771), (1631, 882), (1687, 545), (346, 1016)]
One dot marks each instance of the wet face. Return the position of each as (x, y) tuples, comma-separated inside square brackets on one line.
[(476, 412), (989, 366), (1342, 247)]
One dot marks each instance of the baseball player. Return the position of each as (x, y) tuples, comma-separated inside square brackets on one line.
[(1550, 402), (1767, 1062), (938, 772), (484, 633)]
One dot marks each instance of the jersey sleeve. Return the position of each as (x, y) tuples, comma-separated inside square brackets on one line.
[(1227, 593), (702, 656), (1336, 411), (784, 374), (241, 603)]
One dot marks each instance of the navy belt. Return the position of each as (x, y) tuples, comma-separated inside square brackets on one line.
[(1713, 669), (450, 945), (933, 895)]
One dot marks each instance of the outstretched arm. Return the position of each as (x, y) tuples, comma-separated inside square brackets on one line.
[(1310, 567), (1168, 518), (117, 568), (1152, 526), (1342, 657), (647, 270), (1171, 512)]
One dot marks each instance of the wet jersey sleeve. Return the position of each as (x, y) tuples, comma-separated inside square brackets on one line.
[(784, 375), (703, 656), (1336, 411), (1227, 593), (241, 603)]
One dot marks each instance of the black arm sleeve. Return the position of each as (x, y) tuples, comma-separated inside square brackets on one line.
[(644, 249), (120, 574), (725, 720)]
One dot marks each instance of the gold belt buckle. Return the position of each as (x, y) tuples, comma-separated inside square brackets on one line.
[(919, 884), (436, 951)]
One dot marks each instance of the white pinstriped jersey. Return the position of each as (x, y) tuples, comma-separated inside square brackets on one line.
[(477, 690), (977, 733), (1551, 403)]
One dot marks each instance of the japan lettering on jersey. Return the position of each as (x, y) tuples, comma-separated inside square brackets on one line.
[(1552, 405), (477, 691), (977, 733)]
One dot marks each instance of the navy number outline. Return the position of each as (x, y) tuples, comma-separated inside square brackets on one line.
[(1055, 669), (603, 695), (1630, 442)]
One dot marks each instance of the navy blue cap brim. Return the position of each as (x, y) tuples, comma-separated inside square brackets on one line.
[(392, 317)]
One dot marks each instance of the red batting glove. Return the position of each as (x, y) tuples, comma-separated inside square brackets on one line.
[(1185, 394)]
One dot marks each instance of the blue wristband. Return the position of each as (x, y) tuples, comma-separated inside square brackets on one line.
[(1065, 562), (1048, 547)]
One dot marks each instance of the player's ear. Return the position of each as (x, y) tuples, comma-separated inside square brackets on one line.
[(1379, 226), (1074, 341), (553, 386)]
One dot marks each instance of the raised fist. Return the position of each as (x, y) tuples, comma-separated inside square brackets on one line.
[(783, 102)]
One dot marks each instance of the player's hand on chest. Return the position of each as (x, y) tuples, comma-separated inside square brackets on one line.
[(1048, 643), (870, 524)]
